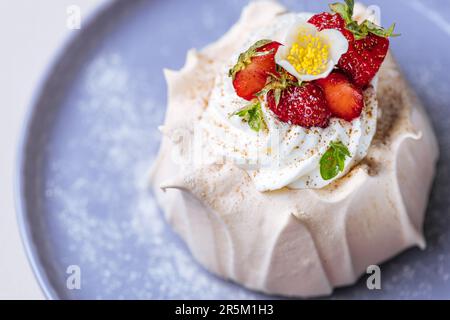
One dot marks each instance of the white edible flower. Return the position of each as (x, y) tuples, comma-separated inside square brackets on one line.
[(310, 54)]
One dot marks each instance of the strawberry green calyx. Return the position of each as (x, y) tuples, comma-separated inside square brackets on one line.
[(360, 31), (278, 83), (245, 58), (344, 9)]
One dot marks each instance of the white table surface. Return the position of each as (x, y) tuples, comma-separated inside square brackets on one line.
[(31, 32)]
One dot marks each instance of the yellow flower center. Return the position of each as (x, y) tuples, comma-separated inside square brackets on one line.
[(309, 54)]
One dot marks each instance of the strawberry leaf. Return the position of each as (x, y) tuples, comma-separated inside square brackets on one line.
[(344, 9), (333, 161), (360, 31), (381, 32), (350, 5)]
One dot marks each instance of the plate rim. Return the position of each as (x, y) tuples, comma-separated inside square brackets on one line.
[(23, 140)]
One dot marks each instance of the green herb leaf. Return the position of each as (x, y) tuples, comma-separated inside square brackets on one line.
[(245, 58), (333, 161), (253, 115), (360, 31)]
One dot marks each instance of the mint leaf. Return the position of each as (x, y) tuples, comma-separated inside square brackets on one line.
[(333, 161), (329, 167), (253, 115), (340, 148)]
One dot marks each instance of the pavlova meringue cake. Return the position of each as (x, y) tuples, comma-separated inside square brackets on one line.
[(294, 153)]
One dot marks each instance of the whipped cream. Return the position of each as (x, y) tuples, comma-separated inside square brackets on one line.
[(284, 155)]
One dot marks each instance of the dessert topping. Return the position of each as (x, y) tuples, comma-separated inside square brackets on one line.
[(304, 81), (278, 82), (253, 68), (333, 161), (368, 43), (364, 59), (344, 99), (326, 20), (303, 105), (310, 54)]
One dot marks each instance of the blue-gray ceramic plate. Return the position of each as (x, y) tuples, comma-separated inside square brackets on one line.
[(91, 136)]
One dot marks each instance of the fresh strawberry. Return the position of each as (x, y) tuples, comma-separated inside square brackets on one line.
[(327, 20), (364, 59), (253, 68), (368, 43), (344, 99), (303, 105)]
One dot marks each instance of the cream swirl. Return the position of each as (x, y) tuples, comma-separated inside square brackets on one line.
[(284, 155)]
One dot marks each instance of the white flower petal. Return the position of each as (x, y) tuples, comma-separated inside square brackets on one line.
[(337, 42), (308, 28), (291, 36), (290, 68)]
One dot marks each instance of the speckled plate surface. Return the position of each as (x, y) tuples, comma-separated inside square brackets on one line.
[(92, 135)]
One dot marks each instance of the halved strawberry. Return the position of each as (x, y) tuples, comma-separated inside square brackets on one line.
[(368, 43), (303, 105), (253, 67), (344, 99), (364, 59)]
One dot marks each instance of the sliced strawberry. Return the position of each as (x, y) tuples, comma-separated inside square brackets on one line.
[(248, 82), (253, 68), (345, 100), (364, 59), (304, 106)]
